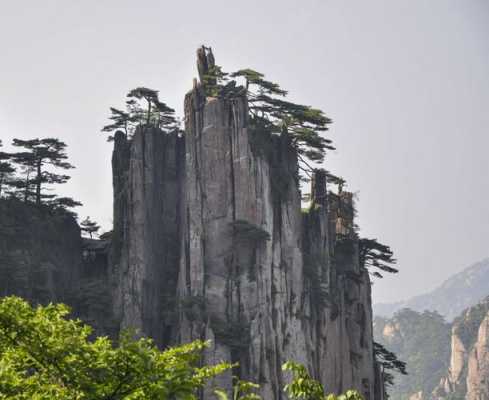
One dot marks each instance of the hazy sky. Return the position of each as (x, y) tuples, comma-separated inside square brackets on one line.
[(405, 82)]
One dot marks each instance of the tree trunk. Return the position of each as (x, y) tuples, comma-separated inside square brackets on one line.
[(38, 184), (26, 189), (149, 113)]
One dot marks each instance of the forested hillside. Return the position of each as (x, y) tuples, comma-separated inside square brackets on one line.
[(422, 340)]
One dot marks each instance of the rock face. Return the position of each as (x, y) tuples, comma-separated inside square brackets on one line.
[(147, 222), (478, 370), (40, 254), (468, 374), (210, 243), (43, 259), (94, 303)]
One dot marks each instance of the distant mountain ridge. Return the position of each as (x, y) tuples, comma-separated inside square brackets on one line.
[(458, 292), (445, 361)]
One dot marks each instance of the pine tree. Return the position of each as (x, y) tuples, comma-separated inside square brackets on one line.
[(269, 112), (89, 227), (39, 154), (376, 255), (121, 121), (153, 113), (388, 361), (6, 170), (304, 124)]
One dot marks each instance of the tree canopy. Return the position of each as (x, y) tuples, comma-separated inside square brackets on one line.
[(388, 362), (143, 108), (303, 387), (30, 173), (269, 111), (89, 227), (376, 255), (35, 157), (7, 170), (422, 341), (45, 355)]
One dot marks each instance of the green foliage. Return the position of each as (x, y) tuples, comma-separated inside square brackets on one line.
[(269, 112), (373, 254), (7, 170), (388, 362), (37, 162), (302, 123), (422, 341), (304, 387), (45, 355), (234, 334), (193, 307), (242, 390), (466, 326), (143, 108), (247, 231)]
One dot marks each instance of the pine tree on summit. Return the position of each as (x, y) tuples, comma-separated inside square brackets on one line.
[(152, 113), (90, 227), (39, 154), (269, 111)]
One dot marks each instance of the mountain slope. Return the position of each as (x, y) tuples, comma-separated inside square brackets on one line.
[(422, 340), (468, 372), (460, 291)]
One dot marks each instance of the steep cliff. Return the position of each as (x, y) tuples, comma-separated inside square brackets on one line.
[(144, 256), (210, 243), (468, 374), (40, 253), (478, 364), (44, 259), (94, 303)]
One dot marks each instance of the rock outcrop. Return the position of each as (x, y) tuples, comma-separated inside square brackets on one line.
[(478, 364), (145, 249), (210, 242), (40, 253), (43, 259), (468, 374), (94, 304)]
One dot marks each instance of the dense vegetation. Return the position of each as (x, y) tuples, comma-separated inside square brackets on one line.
[(422, 340), (30, 173), (46, 355)]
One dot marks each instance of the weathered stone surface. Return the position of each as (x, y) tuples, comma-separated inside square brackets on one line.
[(145, 250), (40, 253), (94, 304), (266, 301), (478, 365), (209, 242), (43, 259), (468, 374)]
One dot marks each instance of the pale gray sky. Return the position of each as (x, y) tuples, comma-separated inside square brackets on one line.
[(405, 82)]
